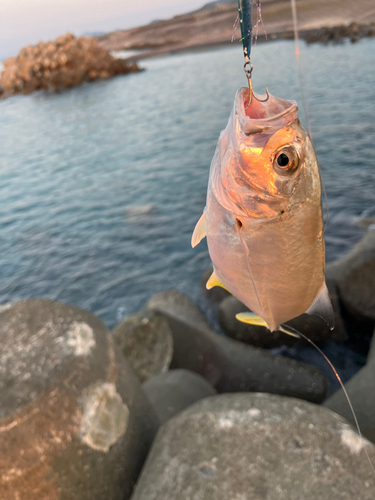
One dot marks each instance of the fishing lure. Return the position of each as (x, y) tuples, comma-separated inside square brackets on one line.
[(263, 216)]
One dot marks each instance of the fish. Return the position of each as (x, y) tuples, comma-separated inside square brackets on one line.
[(263, 216)]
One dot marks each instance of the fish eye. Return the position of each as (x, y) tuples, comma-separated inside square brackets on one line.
[(286, 160), (283, 160)]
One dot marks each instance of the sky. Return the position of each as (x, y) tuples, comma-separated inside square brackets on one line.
[(25, 22)]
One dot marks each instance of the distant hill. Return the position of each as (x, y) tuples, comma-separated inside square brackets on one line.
[(211, 5), (213, 24)]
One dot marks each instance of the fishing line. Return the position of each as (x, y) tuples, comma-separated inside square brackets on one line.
[(301, 87), (259, 21), (342, 387)]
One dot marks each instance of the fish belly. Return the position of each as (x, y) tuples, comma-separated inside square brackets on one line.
[(278, 267)]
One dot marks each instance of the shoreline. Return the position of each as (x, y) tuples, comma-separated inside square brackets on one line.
[(212, 27), (337, 34)]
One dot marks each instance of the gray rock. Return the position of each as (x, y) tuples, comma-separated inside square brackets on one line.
[(215, 294), (228, 365), (354, 275), (171, 392), (257, 447), (361, 391), (179, 305), (75, 423), (371, 352), (146, 341)]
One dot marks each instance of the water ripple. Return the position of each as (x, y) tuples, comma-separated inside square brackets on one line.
[(102, 184)]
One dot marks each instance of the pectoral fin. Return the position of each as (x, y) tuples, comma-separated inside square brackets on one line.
[(199, 231), (253, 319), (214, 280), (322, 307)]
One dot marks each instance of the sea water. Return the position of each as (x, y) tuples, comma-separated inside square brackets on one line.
[(101, 185)]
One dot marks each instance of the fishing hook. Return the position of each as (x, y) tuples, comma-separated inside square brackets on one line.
[(248, 69)]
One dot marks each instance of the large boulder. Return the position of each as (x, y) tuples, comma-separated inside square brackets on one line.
[(173, 391), (145, 339), (361, 391), (74, 421), (354, 275), (257, 447), (228, 365), (310, 325)]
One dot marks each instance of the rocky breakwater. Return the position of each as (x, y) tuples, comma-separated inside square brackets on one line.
[(228, 365), (56, 65), (76, 423)]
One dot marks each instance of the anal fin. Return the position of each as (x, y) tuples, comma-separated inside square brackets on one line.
[(214, 280), (322, 307), (251, 319), (199, 231)]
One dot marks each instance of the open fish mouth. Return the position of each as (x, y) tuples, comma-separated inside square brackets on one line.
[(261, 116), (243, 176)]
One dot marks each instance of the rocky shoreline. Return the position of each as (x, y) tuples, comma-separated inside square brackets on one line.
[(164, 408), (59, 64), (327, 34), (212, 26)]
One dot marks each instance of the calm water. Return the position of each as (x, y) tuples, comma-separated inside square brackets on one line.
[(101, 186)]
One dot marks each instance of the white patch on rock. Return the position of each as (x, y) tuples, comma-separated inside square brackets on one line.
[(254, 412), (298, 410), (80, 338), (105, 417), (225, 423), (352, 440)]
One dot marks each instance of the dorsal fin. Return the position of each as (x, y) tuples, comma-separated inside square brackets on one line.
[(199, 231), (322, 307), (214, 280)]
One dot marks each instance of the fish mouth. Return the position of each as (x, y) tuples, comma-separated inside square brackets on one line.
[(260, 116)]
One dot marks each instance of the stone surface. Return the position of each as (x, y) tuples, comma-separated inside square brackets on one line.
[(215, 294), (55, 65), (74, 421), (361, 391), (180, 306), (371, 352), (257, 447), (354, 275), (171, 392), (228, 365), (312, 326), (146, 341)]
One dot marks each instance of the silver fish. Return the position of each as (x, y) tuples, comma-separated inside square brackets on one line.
[(263, 216)]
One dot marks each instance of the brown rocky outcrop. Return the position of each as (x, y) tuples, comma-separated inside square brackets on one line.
[(65, 62)]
